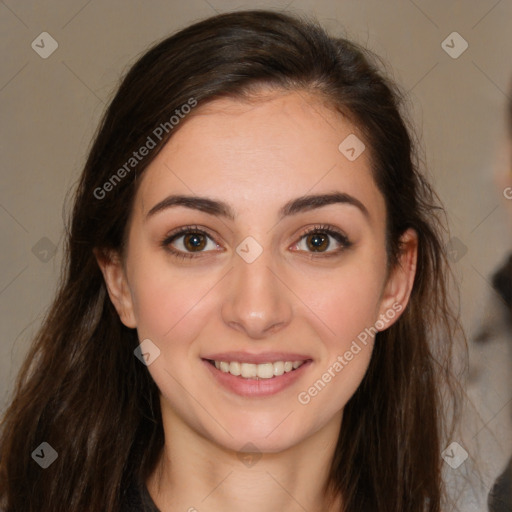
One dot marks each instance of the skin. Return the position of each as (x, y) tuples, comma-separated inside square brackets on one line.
[(255, 156)]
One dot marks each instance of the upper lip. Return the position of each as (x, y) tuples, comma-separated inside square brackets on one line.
[(265, 357)]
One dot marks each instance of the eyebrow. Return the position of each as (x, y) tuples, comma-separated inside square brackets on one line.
[(293, 207)]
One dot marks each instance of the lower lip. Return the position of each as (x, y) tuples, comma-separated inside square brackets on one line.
[(256, 388)]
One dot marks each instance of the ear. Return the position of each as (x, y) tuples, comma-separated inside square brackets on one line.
[(398, 288), (117, 285)]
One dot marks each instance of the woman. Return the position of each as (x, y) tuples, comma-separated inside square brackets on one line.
[(254, 313)]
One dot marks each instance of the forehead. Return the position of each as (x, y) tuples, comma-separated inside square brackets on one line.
[(263, 151)]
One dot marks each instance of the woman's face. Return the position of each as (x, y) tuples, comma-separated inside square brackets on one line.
[(277, 257)]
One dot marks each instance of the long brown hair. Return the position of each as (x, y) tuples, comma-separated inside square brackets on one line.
[(81, 389)]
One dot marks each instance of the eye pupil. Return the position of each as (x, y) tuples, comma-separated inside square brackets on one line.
[(194, 241), (317, 240)]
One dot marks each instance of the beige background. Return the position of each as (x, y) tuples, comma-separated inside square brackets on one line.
[(50, 109)]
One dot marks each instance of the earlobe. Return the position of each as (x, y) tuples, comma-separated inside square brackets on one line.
[(401, 279), (117, 285)]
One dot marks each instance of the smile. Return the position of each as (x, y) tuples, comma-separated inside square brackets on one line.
[(257, 371), (256, 376)]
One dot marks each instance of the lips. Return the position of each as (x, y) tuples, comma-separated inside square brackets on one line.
[(256, 374)]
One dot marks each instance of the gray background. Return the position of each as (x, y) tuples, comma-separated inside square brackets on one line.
[(51, 107)]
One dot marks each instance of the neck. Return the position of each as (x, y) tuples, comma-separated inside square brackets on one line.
[(194, 473)]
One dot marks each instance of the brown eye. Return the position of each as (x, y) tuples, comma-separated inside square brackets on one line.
[(194, 242), (189, 242), (317, 242), (323, 239)]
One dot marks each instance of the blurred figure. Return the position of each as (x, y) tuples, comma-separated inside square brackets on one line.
[(500, 497)]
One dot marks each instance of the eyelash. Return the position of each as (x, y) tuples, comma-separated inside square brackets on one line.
[(340, 237)]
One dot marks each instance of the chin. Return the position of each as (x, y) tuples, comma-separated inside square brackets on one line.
[(269, 434)]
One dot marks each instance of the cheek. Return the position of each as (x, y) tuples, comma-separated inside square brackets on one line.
[(346, 300), (344, 306), (167, 303)]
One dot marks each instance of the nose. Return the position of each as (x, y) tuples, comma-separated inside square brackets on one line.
[(257, 301)]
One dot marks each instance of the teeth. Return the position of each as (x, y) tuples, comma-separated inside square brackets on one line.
[(257, 371), (234, 368), (265, 371), (278, 368), (248, 370)]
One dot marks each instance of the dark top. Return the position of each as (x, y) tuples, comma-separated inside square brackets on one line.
[(138, 499)]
